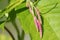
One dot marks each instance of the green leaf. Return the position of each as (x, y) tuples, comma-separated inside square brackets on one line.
[(51, 18), (49, 33), (27, 24), (10, 7), (47, 5)]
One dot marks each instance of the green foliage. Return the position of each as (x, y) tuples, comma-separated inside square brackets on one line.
[(51, 18), (27, 23), (50, 12)]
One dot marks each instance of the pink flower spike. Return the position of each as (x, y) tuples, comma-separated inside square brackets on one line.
[(35, 21), (38, 26)]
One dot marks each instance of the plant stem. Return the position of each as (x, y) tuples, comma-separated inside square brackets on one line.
[(18, 33), (9, 32), (22, 35)]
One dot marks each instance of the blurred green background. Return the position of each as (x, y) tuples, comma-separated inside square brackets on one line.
[(3, 34)]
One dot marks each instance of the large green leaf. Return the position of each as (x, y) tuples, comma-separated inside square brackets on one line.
[(51, 19), (49, 33)]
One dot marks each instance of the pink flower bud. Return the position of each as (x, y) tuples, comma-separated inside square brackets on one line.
[(38, 26)]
